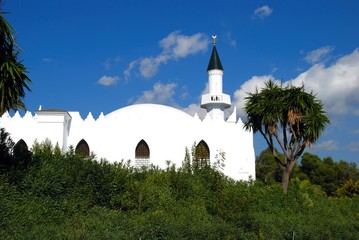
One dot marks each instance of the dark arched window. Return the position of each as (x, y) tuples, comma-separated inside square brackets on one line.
[(142, 154), (202, 150), (22, 155), (20, 146), (201, 156), (82, 148)]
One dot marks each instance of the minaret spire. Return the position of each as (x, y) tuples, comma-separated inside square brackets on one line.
[(215, 101), (214, 61)]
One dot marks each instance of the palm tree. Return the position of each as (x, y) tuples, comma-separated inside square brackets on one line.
[(13, 78), (288, 118)]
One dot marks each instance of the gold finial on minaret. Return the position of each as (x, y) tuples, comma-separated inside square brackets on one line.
[(214, 39)]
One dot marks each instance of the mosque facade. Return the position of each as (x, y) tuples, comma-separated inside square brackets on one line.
[(148, 133)]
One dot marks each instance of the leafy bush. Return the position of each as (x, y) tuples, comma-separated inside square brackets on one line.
[(65, 196)]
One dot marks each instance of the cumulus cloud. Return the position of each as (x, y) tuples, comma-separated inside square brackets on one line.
[(110, 62), (329, 145), (354, 147), (160, 94), (108, 81), (250, 86), (131, 66), (337, 85), (262, 12), (318, 55), (193, 109), (174, 46), (164, 94), (229, 39), (48, 60), (356, 112), (107, 64)]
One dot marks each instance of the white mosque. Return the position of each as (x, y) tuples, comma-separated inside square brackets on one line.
[(147, 133)]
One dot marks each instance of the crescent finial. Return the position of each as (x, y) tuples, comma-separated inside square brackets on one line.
[(214, 39)]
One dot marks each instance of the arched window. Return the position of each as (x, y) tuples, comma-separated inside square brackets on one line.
[(202, 150), (22, 155), (142, 154), (20, 146), (82, 148)]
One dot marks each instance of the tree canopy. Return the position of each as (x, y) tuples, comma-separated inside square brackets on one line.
[(288, 118), (333, 177), (13, 78)]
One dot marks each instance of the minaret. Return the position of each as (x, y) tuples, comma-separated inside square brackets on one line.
[(215, 101)]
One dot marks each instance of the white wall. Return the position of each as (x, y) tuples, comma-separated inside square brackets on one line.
[(166, 130)]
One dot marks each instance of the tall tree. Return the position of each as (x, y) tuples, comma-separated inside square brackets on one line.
[(13, 78), (288, 118), (267, 170)]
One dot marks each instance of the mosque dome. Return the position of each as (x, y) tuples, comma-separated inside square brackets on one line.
[(150, 112)]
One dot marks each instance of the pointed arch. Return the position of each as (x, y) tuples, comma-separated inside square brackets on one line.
[(21, 154), (202, 150), (142, 150), (20, 146), (82, 148), (142, 154)]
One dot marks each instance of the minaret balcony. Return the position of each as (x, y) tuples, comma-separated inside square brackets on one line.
[(216, 99)]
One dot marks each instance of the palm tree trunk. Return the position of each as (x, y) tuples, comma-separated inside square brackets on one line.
[(285, 180), (287, 169)]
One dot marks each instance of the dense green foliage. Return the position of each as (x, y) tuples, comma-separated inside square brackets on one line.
[(65, 196), (329, 175)]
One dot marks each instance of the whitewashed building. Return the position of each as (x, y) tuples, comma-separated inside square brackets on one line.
[(147, 133)]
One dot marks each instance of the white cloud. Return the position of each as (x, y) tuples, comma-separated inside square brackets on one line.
[(149, 66), (192, 109), (354, 147), (174, 46), (262, 12), (164, 94), (108, 81), (337, 85), (48, 60), (160, 94), (329, 145), (356, 112), (274, 69), (318, 55), (108, 64), (128, 71), (229, 40), (256, 82), (184, 93)]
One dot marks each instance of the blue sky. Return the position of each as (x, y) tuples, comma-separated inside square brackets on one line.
[(98, 56)]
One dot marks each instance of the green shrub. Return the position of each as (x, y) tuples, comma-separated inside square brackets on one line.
[(65, 196)]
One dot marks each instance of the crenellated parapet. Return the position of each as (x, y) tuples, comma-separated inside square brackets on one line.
[(52, 124), (29, 115)]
